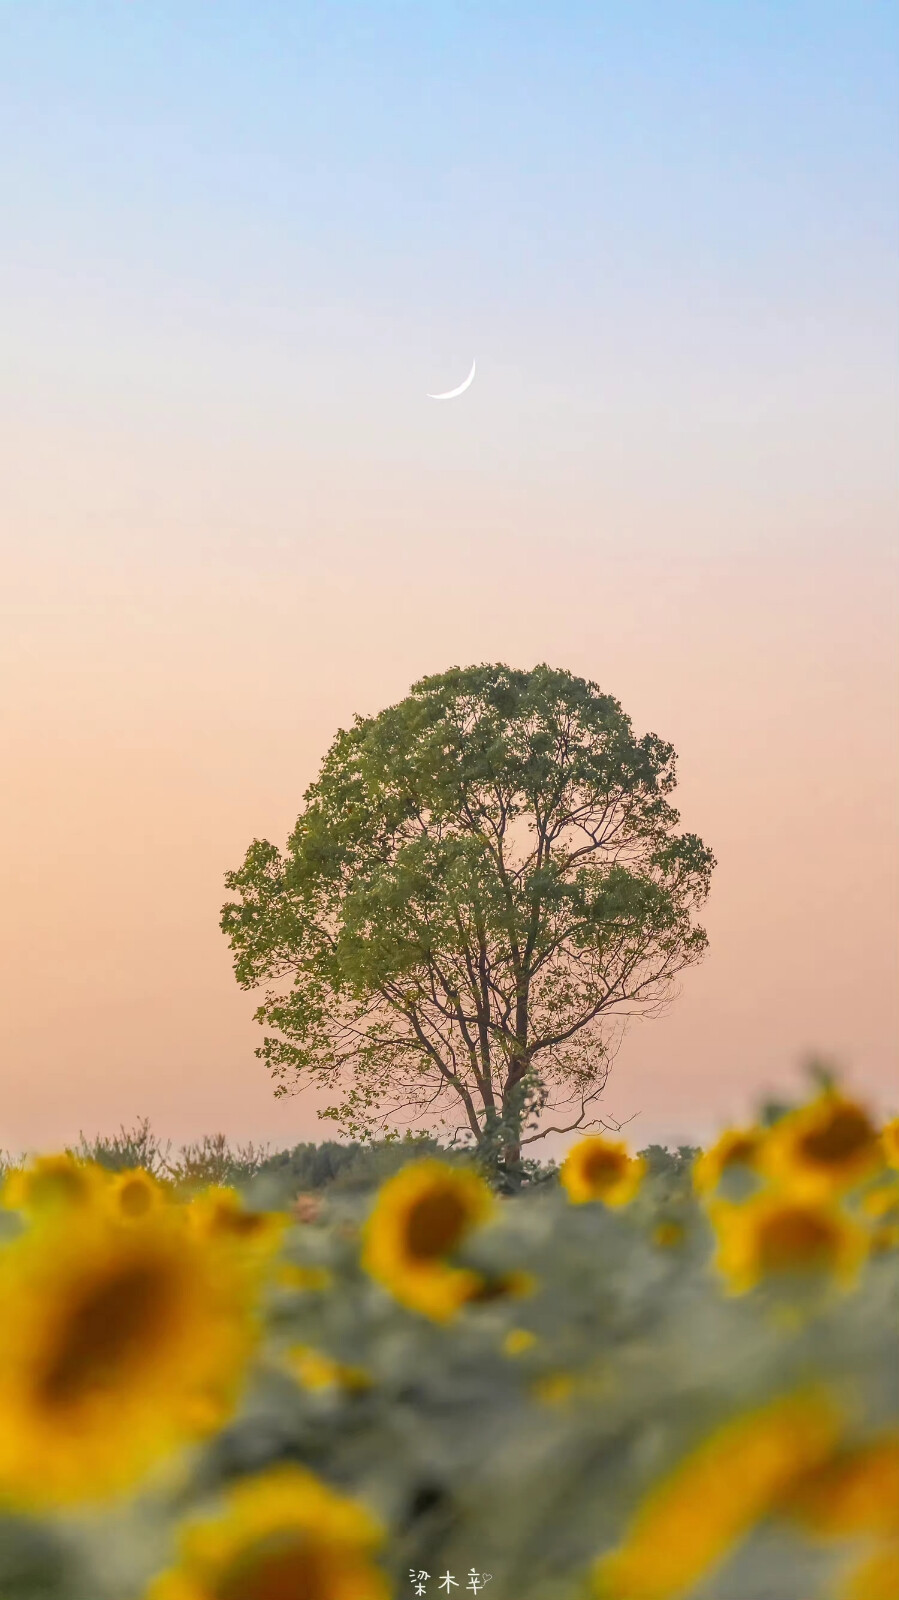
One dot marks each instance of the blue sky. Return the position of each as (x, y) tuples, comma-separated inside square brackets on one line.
[(529, 176), (647, 222), (241, 243)]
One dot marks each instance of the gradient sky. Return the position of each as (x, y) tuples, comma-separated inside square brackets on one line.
[(240, 244)]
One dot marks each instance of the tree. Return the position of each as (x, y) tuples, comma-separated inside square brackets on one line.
[(484, 879)]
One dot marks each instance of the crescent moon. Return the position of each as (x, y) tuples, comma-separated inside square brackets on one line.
[(451, 393)]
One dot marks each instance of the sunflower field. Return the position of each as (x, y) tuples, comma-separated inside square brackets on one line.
[(623, 1384)]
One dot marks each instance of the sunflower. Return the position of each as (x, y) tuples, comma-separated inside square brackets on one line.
[(856, 1492), (420, 1218), (283, 1535), (51, 1182), (598, 1169), (119, 1341), (135, 1192), (737, 1148), (689, 1522), (824, 1147), (777, 1236), (219, 1213)]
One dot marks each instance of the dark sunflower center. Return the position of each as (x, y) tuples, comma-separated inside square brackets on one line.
[(242, 1224), (795, 1238), (435, 1224), (287, 1569), (603, 1166), (739, 1153), (59, 1185), (135, 1198), (101, 1333), (847, 1133)]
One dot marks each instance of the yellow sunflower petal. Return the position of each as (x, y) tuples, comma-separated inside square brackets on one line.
[(882, 1201), (855, 1492), (690, 1521), (294, 1275), (876, 1579), (313, 1369), (737, 1147), (889, 1138)]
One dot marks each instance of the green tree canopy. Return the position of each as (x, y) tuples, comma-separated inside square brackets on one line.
[(483, 879)]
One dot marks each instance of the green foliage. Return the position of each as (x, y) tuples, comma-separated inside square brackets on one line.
[(210, 1160), (281, 1175), (137, 1146), (309, 1168), (373, 1163), (7, 1162), (484, 879), (675, 1165), (332, 1168), (353, 1167)]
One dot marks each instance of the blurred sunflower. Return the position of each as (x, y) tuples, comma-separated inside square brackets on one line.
[(118, 1342), (50, 1182), (312, 1369), (598, 1169), (668, 1234), (692, 1519), (135, 1192), (881, 1206), (736, 1148), (889, 1138), (774, 1235), (296, 1275), (553, 1388), (282, 1536), (219, 1213), (876, 1579), (518, 1340), (823, 1148), (420, 1218), (882, 1201), (855, 1492)]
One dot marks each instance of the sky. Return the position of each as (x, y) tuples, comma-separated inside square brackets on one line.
[(241, 244)]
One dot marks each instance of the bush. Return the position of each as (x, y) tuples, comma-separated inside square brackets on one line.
[(130, 1147)]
